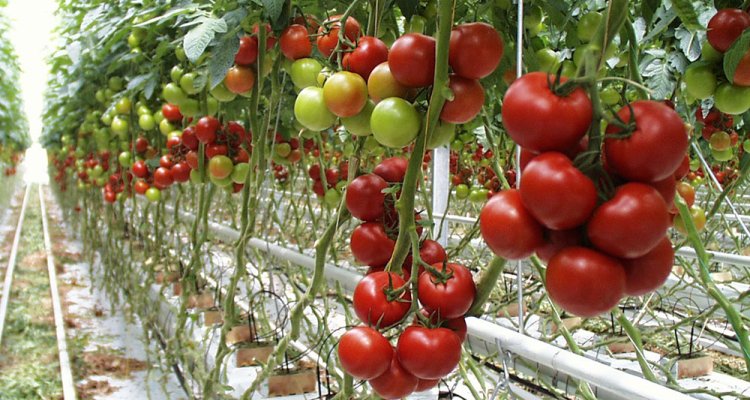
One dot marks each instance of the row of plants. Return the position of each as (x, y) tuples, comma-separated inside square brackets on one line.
[(14, 129), (313, 124)]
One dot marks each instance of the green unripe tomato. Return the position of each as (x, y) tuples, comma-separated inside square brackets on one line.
[(125, 159), (108, 94), (100, 96), (610, 96), (106, 119), (305, 72), (220, 182), (158, 117), (239, 173), (443, 134), (187, 83), (172, 93), (722, 155), (153, 194), (359, 125), (462, 191), (283, 149), (533, 17), (457, 145), (196, 176), (212, 105), (395, 122), (123, 105), (547, 60), (700, 81), (709, 54), (311, 111), (165, 127), (332, 197), (732, 99), (133, 41), (142, 109), (222, 94), (176, 73), (746, 145), (568, 69), (115, 84), (179, 52), (119, 126), (587, 26), (190, 107), (371, 144)]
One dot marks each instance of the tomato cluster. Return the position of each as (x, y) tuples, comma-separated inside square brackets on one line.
[(225, 151), (373, 93), (428, 349), (335, 179), (597, 251)]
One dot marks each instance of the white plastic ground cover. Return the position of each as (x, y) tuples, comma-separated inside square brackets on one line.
[(612, 383)]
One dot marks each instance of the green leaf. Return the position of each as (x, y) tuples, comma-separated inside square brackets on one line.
[(138, 82), (273, 8), (222, 57), (198, 38), (408, 7), (648, 10), (687, 14), (734, 55)]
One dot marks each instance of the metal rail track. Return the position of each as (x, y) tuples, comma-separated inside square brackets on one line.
[(10, 269)]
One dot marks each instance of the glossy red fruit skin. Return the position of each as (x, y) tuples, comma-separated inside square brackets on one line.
[(368, 54), (395, 383), (371, 303), (412, 60), (631, 223), (365, 197), (364, 340), (725, 27), (248, 51), (475, 50), (468, 99), (295, 42), (647, 273), (554, 241), (205, 129), (530, 108), (508, 228), (392, 169), (450, 299), (585, 282), (556, 193), (654, 150), (428, 353)]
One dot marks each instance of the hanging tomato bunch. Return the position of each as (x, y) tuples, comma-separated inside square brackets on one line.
[(602, 229)]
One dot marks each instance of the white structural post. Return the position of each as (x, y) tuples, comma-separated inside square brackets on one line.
[(441, 162)]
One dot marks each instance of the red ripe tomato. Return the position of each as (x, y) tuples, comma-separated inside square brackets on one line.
[(141, 187), (412, 60), (171, 112), (110, 197), (556, 193), (531, 109), (428, 353), (687, 192), (216, 149), (656, 147), (368, 54), (554, 241), (508, 228), (365, 197), (382, 84), (364, 340), (166, 161), (173, 142), (683, 169), (329, 33), (371, 302), (468, 99), (448, 298), (141, 144), (295, 42), (163, 177), (371, 245), (667, 188), (248, 51), (648, 272), (430, 252), (140, 169), (270, 39), (631, 223), (314, 172), (392, 169), (725, 27), (332, 176), (318, 189), (240, 79), (475, 50), (585, 282), (238, 131), (189, 139), (192, 159), (395, 383), (181, 172), (205, 129)]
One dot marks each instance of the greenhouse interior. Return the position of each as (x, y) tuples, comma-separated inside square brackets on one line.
[(369, 199)]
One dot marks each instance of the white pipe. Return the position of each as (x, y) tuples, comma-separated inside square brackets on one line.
[(440, 192)]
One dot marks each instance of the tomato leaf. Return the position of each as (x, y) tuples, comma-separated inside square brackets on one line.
[(687, 14), (273, 8), (734, 55), (198, 38), (222, 57), (648, 10)]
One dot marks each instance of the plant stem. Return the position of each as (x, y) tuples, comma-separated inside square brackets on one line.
[(485, 285)]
